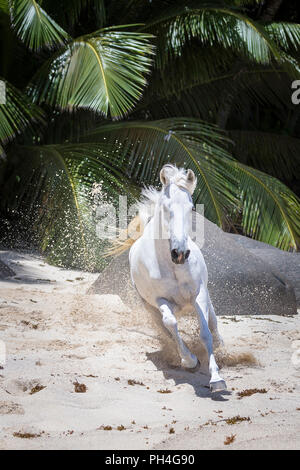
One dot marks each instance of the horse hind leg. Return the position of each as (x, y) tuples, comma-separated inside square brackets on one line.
[(188, 360), (213, 325)]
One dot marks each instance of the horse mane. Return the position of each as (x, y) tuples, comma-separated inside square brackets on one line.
[(150, 197)]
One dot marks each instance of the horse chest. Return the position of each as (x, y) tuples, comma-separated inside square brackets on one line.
[(153, 283), (185, 289), (156, 276), (178, 286)]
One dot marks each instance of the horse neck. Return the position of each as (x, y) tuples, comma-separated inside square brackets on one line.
[(157, 232)]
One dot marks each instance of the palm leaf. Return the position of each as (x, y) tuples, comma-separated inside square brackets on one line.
[(246, 2), (186, 142), (17, 114), (195, 67), (211, 23), (271, 211), (34, 26), (4, 6), (199, 96), (52, 197), (286, 35), (104, 72)]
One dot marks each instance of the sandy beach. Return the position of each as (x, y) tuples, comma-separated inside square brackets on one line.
[(86, 372)]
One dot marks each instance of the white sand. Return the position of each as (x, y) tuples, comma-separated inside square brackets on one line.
[(56, 335)]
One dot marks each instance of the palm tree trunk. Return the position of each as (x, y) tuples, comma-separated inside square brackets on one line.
[(270, 10)]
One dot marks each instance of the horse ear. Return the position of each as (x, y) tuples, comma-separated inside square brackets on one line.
[(192, 180), (163, 177)]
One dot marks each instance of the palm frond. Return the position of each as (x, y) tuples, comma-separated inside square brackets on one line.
[(186, 142), (100, 10), (200, 96), (270, 210), (103, 72), (211, 23), (246, 2), (195, 67), (17, 114), (66, 127), (4, 6), (34, 26), (53, 196), (286, 35)]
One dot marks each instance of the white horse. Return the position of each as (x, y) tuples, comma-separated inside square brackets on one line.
[(167, 267)]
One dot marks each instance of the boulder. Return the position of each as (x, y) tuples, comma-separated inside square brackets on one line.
[(240, 283), (287, 263), (5, 271)]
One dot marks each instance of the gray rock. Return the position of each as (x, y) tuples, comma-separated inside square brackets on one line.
[(5, 271), (287, 263), (240, 283)]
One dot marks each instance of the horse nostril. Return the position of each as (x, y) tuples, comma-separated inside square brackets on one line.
[(187, 254), (174, 254)]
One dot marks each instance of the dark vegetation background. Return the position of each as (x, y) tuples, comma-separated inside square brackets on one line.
[(203, 84)]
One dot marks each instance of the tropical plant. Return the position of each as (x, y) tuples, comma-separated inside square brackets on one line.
[(80, 111)]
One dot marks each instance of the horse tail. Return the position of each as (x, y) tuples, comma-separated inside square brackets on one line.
[(126, 238)]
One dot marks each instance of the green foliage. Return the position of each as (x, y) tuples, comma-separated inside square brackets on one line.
[(212, 62), (53, 195), (271, 211), (4, 6), (17, 114), (188, 143), (211, 23), (104, 72), (34, 26), (286, 35)]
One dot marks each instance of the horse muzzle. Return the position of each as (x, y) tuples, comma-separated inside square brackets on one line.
[(179, 257)]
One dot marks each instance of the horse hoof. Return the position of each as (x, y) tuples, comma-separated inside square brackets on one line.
[(189, 362), (218, 386)]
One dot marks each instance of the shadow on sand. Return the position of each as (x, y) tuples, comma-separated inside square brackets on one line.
[(198, 378)]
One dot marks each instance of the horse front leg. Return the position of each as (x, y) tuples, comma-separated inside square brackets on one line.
[(188, 359), (202, 308)]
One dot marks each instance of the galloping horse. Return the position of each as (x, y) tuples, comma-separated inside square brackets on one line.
[(167, 267)]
